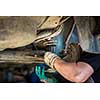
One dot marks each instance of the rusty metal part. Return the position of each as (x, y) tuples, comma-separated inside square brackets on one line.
[(73, 52), (20, 57)]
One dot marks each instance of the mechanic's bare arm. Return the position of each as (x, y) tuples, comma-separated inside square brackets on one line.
[(76, 72)]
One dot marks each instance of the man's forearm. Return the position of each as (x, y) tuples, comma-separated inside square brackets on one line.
[(75, 72), (67, 70)]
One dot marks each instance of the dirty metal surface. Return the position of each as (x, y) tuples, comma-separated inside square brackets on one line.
[(20, 57), (18, 31)]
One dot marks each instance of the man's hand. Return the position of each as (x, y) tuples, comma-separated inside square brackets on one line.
[(49, 59)]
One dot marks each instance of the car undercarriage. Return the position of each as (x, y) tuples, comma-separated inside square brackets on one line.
[(25, 39)]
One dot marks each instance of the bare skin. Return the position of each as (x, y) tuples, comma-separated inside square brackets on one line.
[(76, 72)]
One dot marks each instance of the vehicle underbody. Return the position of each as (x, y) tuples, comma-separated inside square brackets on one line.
[(24, 40)]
